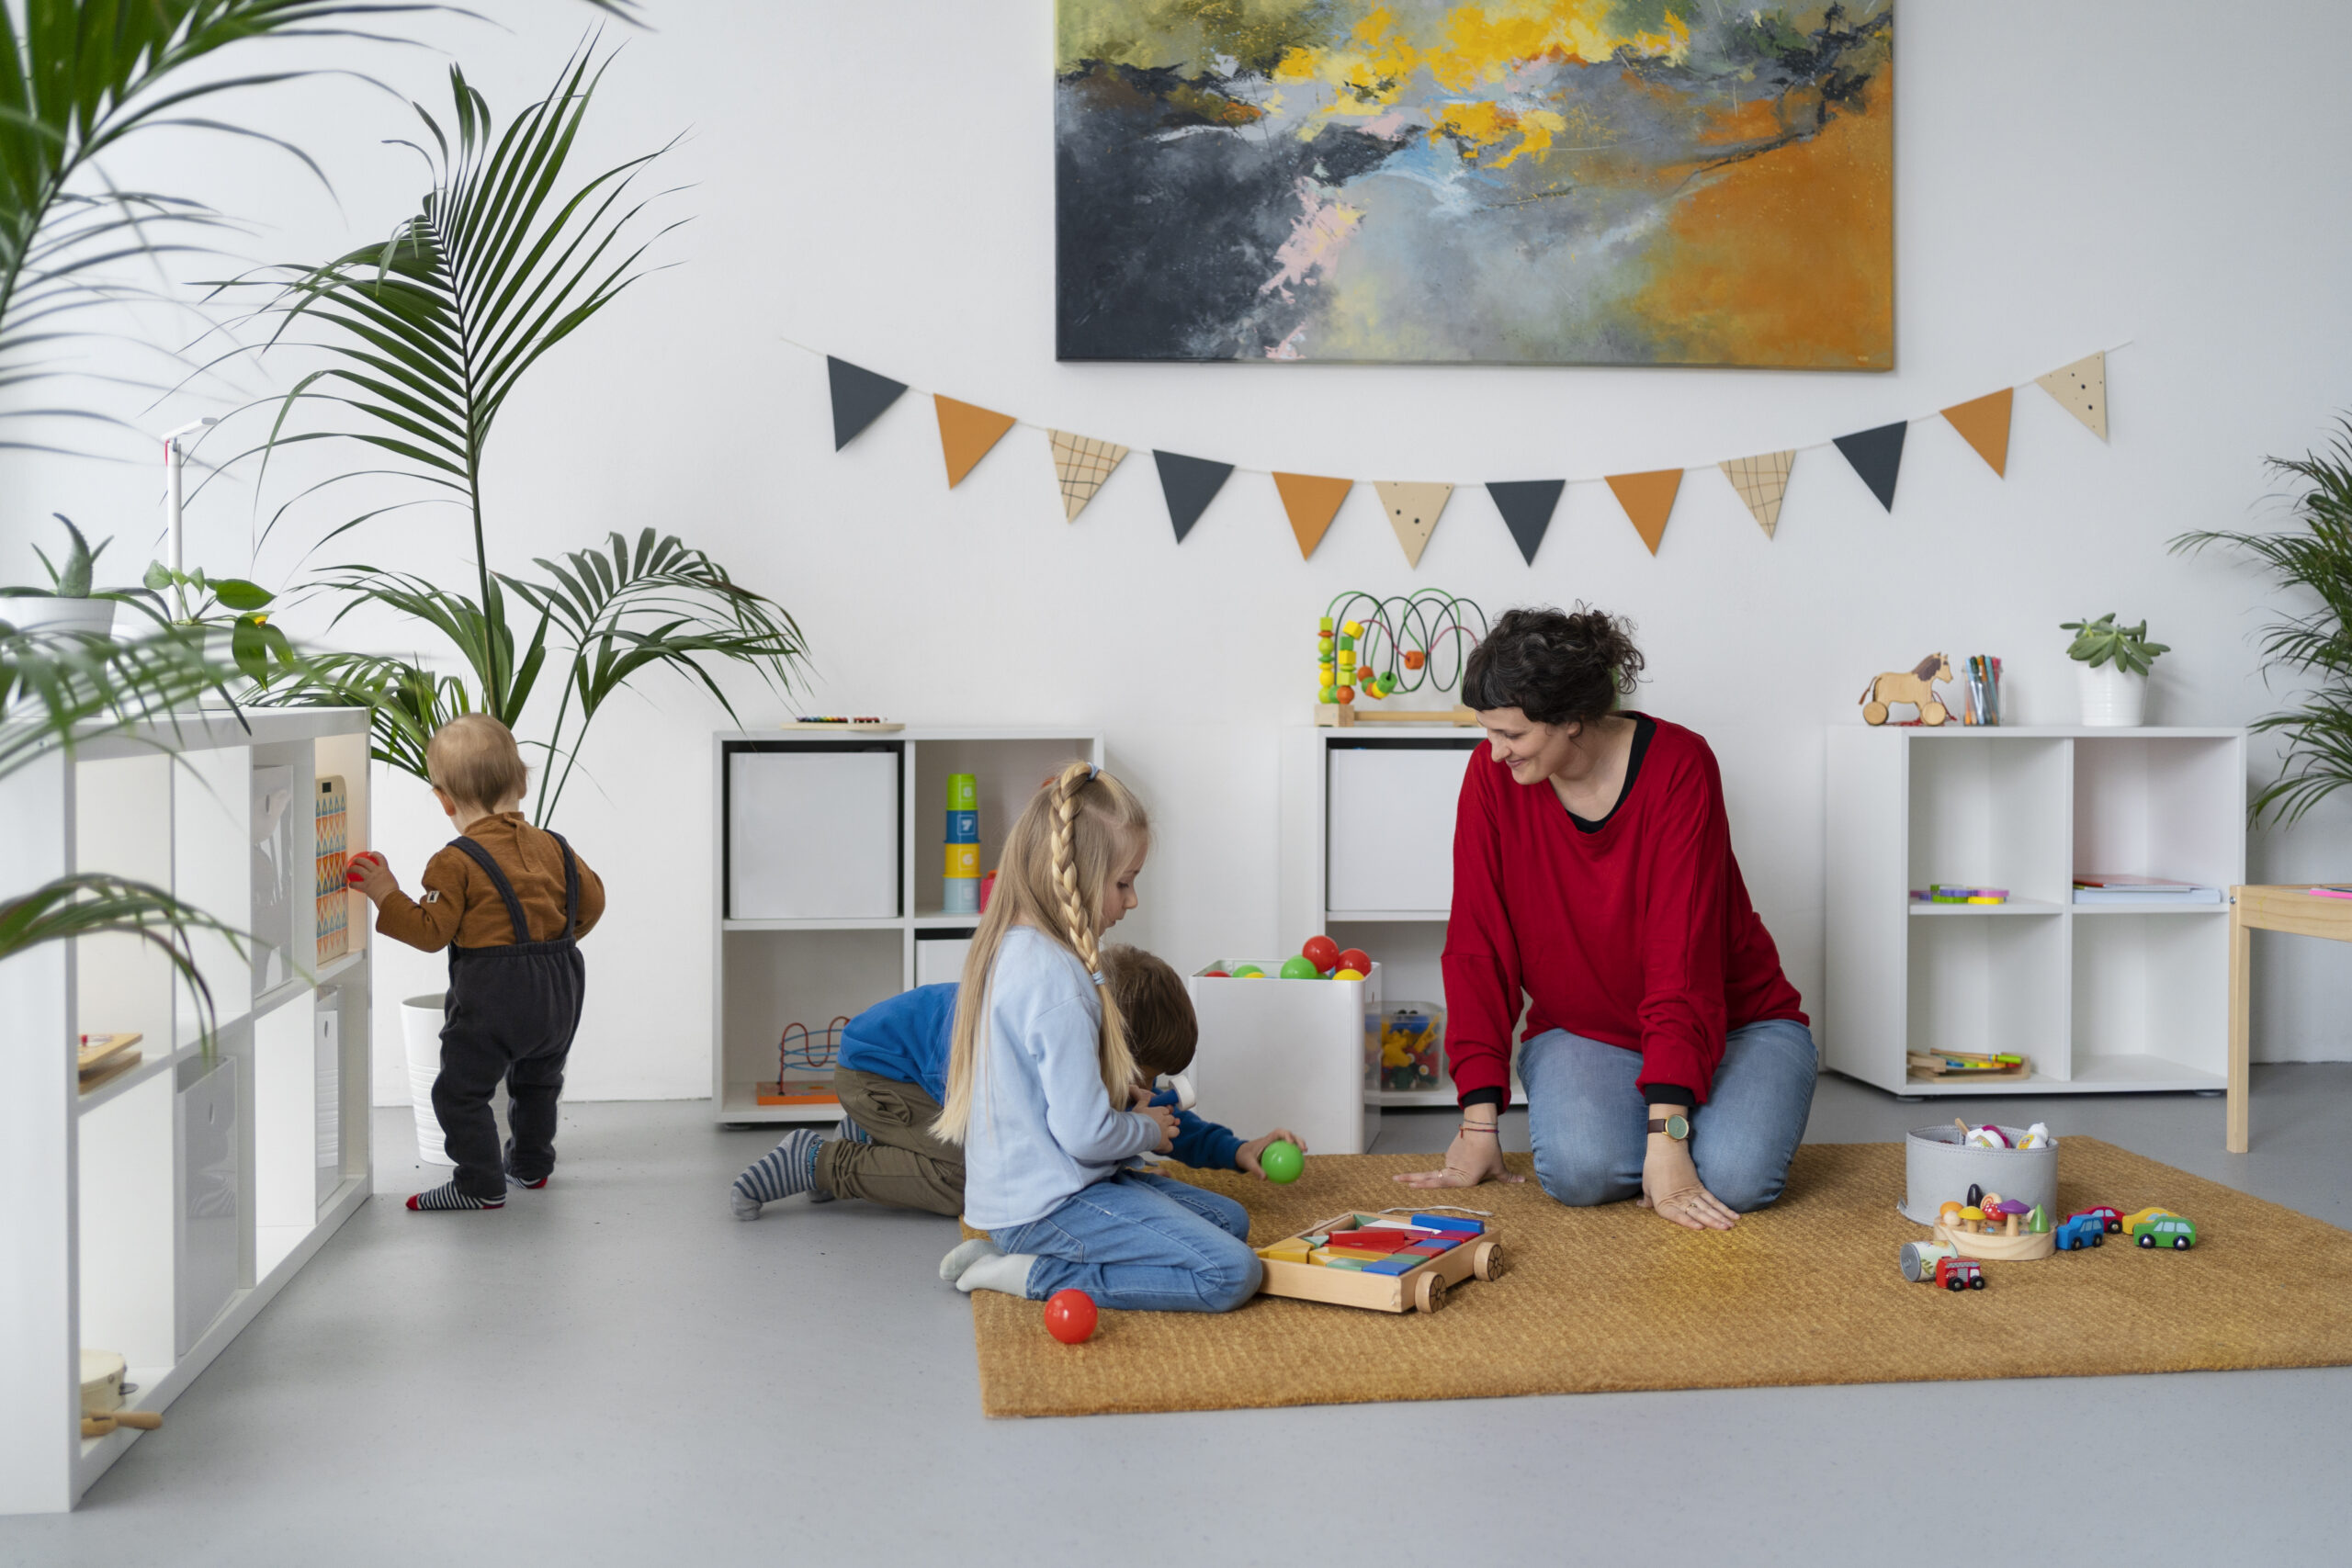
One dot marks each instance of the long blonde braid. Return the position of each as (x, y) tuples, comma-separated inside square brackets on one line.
[(1063, 852)]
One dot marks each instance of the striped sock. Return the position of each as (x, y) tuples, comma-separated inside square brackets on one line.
[(515, 1181), (787, 1168), (849, 1132), (446, 1196)]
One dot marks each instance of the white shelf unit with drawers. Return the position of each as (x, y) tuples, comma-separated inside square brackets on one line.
[(155, 1213), (2112, 998), (833, 899), (1367, 856)]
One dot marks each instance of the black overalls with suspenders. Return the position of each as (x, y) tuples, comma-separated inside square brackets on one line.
[(512, 1013)]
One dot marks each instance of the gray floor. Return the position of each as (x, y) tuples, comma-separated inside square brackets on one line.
[(615, 1371)]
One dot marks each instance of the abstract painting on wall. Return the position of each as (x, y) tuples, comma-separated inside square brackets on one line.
[(1563, 181)]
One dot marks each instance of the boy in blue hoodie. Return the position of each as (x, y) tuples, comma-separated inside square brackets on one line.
[(891, 1077)]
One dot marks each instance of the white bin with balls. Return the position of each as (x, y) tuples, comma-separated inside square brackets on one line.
[(1277, 1053)]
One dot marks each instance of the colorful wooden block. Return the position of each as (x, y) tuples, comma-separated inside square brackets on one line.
[(1449, 1223), (1291, 1249), (1398, 1265)]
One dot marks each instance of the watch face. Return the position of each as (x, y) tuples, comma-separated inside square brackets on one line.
[(1678, 1127)]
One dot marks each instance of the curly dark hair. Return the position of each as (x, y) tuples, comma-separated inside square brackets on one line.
[(1555, 668)]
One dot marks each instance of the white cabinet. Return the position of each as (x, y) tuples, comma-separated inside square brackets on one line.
[(828, 862), (156, 1212), (2104, 997)]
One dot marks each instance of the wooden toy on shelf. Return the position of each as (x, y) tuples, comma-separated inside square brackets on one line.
[(1362, 640), (812, 1054), (1916, 686), (101, 1058), (137, 1420), (1380, 1262)]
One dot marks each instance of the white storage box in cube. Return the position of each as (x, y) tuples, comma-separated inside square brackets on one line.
[(1390, 826), (812, 834), (1291, 1054)]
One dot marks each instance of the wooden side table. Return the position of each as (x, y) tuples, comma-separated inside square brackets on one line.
[(2252, 909)]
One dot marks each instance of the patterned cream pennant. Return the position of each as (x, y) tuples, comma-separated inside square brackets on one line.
[(1082, 463)]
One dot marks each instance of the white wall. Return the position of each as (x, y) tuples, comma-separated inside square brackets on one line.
[(876, 180)]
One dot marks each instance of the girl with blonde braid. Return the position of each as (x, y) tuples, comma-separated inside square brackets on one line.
[(1041, 1084)]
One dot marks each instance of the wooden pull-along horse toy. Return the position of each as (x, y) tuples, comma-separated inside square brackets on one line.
[(1916, 686)]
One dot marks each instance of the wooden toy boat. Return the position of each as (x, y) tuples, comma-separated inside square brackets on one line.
[(1419, 1289)]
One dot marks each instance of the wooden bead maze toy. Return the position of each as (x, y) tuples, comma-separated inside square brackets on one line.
[(1362, 642), (810, 1053), (1398, 1261)]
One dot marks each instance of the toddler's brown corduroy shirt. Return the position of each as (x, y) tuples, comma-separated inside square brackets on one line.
[(460, 904)]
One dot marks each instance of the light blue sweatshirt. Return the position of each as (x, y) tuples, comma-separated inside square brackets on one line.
[(1041, 1127)]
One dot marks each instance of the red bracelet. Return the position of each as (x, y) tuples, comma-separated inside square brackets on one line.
[(1481, 1127)]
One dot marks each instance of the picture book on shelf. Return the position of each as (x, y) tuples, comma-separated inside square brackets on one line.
[(2121, 888)]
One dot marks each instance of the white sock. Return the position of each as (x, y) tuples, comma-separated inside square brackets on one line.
[(1005, 1272), (952, 1267)]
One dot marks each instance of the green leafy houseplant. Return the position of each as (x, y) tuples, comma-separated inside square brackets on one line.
[(2310, 642), (2100, 642), (428, 334)]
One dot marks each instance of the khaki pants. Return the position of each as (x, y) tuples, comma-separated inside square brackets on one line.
[(907, 1166)]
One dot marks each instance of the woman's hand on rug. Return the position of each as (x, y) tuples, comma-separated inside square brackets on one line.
[(1471, 1158), (1246, 1157), (1670, 1184)]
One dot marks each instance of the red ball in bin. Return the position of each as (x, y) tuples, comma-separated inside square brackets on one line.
[(1070, 1316), (1323, 952), (1357, 959)]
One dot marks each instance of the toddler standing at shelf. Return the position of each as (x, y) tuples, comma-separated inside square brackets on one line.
[(892, 1078), (1040, 1074), (509, 901)]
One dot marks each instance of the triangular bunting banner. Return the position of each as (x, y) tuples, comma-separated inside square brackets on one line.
[(1082, 464), (1761, 482), (2081, 388), (1648, 500), (1413, 510), (1877, 455), (966, 431), (1527, 506), (1190, 484), (1311, 502), (1984, 424), (859, 398)]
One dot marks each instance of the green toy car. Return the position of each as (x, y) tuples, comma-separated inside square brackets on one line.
[(2165, 1230)]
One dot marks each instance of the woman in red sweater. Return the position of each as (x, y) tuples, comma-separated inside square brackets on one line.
[(1665, 1056)]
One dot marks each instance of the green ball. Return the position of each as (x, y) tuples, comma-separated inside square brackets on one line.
[(1300, 967), (1248, 972), (1282, 1161)]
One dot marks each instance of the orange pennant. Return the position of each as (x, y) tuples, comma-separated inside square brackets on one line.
[(1648, 500), (1312, 502), (966, 431), (1984, 424)]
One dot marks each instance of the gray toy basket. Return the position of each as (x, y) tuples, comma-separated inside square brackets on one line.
[(1939, 1169)]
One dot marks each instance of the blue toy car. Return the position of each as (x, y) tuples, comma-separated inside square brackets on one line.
[(2082, 1231)]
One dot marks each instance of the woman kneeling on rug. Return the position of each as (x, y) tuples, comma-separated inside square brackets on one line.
[(1665, 1054)]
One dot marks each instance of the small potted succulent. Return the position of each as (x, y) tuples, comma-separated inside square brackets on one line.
[(67, 604), (2115, 663)]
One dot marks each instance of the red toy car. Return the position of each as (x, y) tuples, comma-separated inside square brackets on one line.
[(2109, 1217), (1959, 1274)]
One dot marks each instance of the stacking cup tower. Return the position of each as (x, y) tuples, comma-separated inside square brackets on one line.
[(962, 868)]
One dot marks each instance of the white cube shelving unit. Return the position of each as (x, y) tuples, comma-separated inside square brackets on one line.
[(1367, 855), (2107, 996), (852, 833), (156, 1213)]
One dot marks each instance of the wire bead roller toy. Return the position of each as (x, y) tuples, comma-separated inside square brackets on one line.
[(1368, 649), (812, 1054)]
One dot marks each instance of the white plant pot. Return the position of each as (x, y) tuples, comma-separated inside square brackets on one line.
[(421, 1034), (421, 1018), (94, 616), (2113, 698)]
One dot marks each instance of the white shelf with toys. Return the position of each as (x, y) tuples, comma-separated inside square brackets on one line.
[(2115, 998), (830, 871), (168, 1189)]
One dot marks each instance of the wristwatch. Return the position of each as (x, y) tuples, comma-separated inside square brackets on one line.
[(1675, 1127)]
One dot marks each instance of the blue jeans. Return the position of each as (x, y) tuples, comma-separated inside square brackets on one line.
[(1142, 1243), (1588, 1121)]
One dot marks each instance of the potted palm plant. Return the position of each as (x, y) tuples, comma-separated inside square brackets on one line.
[(2310, 640), (2114, 664)]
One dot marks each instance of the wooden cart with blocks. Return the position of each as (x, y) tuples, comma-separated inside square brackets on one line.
[(1313, 1265)]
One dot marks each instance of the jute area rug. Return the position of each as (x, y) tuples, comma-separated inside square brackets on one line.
[(1807, 1291)]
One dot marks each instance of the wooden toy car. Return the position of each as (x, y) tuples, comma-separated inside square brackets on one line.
[(2082, 1231), (2165, 1229), (2139, 1216), (1377, 1286), (1959, 1274), (2105, 1215)]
